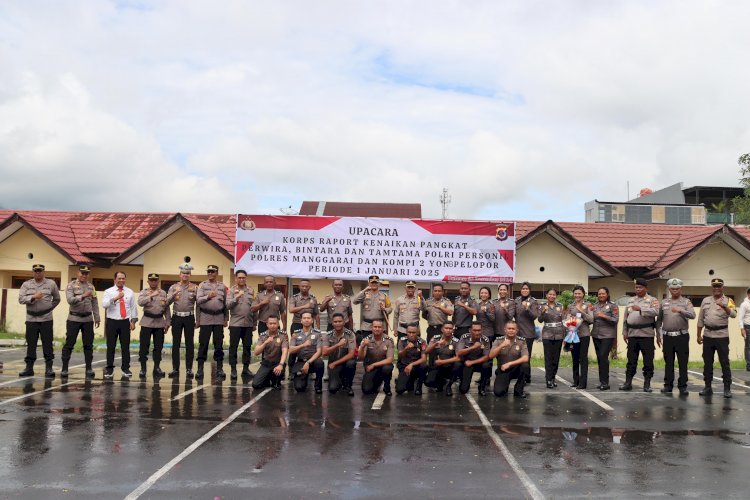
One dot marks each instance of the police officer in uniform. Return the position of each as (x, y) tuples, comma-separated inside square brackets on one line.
[(444, 364), (301, 303), (155, 323), (376, 353), (553, 333), (505, 309), (604, 332), (474, 350), (464, 309), (307, 347), (273, 345), (340, 346), (83, 315), (40, 295), (638, 333), (406, 310), (512, 362), (375, 306), (269, 302), (412, 362), (241, 323), (181, 296), (672, 321), (340, 303), (214, 316), (583, 312), (713, 319), (525, 310), (436, 311)]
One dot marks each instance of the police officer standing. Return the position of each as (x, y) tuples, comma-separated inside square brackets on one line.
[(444, 363), (464, 309), (340, 303), (505, 310), (155, 323), (474, 350), (307, 347), (526, 310), (340, 346), (301, 303), (674, 313), (638, 333), (241, 323), (375, 306), (412, 362), (512, 362), (211, 299), (713, 318), (40, 295), (376, 353), (269, 302), (83, 315), (121, 311), (406, 310), (183, 295), (273, 345), (436, 310)]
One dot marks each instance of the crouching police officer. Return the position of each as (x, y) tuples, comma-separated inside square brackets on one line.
[(376, 353), (474, 351), (307, 348), (412, 362), (273, 344), (340, 345), (444, 364), (512, 362)]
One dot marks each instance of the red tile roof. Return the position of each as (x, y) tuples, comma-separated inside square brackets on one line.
[(347, 209)]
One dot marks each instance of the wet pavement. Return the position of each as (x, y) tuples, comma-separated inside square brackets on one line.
[(104, 439)]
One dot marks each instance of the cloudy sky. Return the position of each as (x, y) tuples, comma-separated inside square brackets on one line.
[(523, 110)]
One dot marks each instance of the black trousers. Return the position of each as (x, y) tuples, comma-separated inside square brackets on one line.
[(206, 332), (118, 329), (679, 346), (721, 347), (341, 376), (747, 347), (603, 348), (292, 358), (461, 330), (485, 369), (438, 376), (529, 346), (300, 379), (580, 352), (34, 330), (183, 326), (71, 336), (502, 379), (406, 382), (371, 380), (265, 376), (552, 350), (262, 327), (361, 334), (237, 334), (433, 330), (644, 345), (145, 340)]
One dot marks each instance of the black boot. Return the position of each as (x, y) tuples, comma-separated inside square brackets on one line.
[(707, 390), (246, 370), (482, 387), (142, 373), (175, 373), (158, 372), (64, 371), (189, 372), (199, 373), (628, 385), (667, 389), (318, 384), (90, 374), (233, 372), (29, 371), (449, 387), (49, 372), (575, 383), (727, 390), (647, 384), (220, 370), (418, 388)]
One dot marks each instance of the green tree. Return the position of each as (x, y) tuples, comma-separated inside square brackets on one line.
[(741, 204)]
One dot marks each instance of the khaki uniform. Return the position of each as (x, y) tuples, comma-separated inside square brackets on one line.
[(406, 311), (516, 350), (371, 308), (271, 356), (342, 374), (276, 307), (182, 298), (437, 376), (406, 382), (82, 310), (604, 333), (715, 323), (485, 369), (586, 317), (311, 304), (300, 337), (505, 311), (486, 316), (553, 333), (461, 317), (317, 367), (155, 309), (39, 317), (580, 350), (640, 328), (673, 326), (341, 304), (239, 308), (434, 316), (212, 316), (377, 350)]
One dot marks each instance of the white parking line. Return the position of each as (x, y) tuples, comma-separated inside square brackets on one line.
[(195, 389), (16, 380), (525, 480), (24, 396), (11, 349), (718, 379), (584, 393), (379, 400), (136, 493), (22, 379)]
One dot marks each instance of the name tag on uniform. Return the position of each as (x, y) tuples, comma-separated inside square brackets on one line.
[(312, 337), (450, 347), (278, 341), (277, 298)]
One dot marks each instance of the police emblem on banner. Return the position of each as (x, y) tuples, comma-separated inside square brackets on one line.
[(248, 224), (501, 232)]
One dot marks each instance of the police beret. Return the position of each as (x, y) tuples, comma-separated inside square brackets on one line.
[(411, 283), (717, 282), (153, 276), (212, 267), (674, 283), (186, 268), (374, 279), (37, 267), (84, 269), (640, 281)]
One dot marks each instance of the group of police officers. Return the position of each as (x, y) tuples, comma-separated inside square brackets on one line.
[(478, 332)]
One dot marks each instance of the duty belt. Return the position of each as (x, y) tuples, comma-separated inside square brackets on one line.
[(367, 320), (181, 314), (211, 313), (553, 325), (80, 314), (36, 314), (676, 333), (715, 328), (152, 315)]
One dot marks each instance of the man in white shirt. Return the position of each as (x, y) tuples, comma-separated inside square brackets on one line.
[(744, 317), (120, 309)]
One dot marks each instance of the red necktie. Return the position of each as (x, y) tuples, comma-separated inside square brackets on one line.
[(123, 311)]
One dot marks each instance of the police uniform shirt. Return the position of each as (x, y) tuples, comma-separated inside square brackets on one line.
[(330, 339), (272, 350), (641, 323), (413, 353), (341, 304), (433, 314), (371, 307), (714, 319), (378, 350), (461, 317), (465, 342), (586, 316), (240, 313), (605, 328), (445, 351), (276, 304), (486, 317), (406, 311), (82, 309), (675, 321), (526, 311), (300, 337), (212, 311), (183, 297), (309, 301), (38, 311), (515, 350), (154, 306), (552, 314), (505, 311)]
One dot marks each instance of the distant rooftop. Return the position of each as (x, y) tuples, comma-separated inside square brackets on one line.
[(356, 209)]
